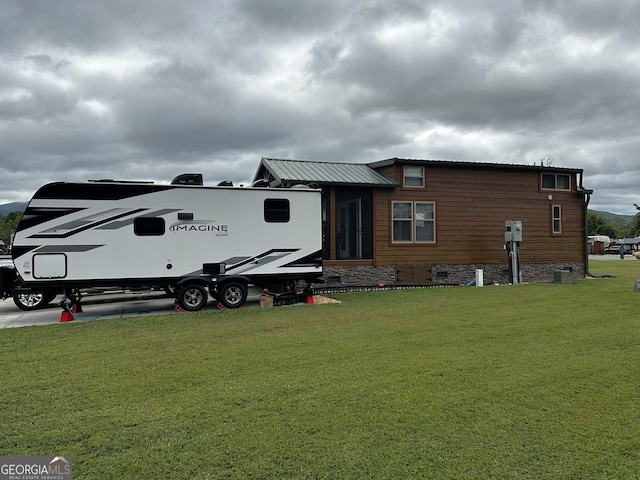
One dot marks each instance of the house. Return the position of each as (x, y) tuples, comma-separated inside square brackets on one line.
[(409, 221)]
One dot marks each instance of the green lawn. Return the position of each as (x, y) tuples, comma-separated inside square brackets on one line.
[(530, 381)]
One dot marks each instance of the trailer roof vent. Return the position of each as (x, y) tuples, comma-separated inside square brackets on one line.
[(225, 183), (188, 179)]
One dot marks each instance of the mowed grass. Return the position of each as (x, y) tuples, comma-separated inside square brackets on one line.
[(530, 381)]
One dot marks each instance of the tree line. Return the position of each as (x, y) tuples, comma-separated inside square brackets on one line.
[(8, 225), (598, 225)]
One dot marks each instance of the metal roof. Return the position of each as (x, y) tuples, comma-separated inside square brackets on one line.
[(286, 172), (322, 173), (466, 164)]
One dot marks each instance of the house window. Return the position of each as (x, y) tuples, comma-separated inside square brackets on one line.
[(413, 222), (402, 221), (276, 210), (413, 177), (148, 226), (556, 181), (556, 219)]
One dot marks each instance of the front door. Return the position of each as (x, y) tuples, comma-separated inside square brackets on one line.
[(349, 229)]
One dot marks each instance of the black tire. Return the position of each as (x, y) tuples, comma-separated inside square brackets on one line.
[(232, 294), (33, 300), (192, 297)]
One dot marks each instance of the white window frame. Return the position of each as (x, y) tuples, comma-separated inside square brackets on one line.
[(413, 179), (555, 181), (556, 220), (414, 221)]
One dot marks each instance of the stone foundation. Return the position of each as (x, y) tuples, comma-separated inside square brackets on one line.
[(449, 274), (499, 273), (361, 275)]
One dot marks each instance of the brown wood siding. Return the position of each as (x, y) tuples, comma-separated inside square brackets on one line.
[(472, 206), (390, 171)]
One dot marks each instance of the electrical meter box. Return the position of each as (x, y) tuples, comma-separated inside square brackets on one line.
[(514, 231)]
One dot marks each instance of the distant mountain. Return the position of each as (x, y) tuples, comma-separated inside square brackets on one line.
[(617, 221), (12, 207)]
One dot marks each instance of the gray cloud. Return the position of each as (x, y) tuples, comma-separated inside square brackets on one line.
[(150, 89)]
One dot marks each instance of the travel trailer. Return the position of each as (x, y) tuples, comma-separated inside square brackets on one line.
[(189, 239)]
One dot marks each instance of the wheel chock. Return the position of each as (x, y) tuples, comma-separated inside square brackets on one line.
[(220, 306), (179, 309)]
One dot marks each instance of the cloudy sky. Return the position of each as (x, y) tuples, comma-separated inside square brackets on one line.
[(149, 89)]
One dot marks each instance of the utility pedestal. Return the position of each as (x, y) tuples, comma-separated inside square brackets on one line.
[(512, 240)]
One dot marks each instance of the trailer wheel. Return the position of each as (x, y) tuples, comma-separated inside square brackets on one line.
[(33, 300), (232, 294), (192, 297)]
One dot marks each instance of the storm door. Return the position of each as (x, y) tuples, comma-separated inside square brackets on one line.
[(349, 229)]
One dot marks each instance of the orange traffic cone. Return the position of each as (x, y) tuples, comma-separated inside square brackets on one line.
[(66, 316), (309, 300)]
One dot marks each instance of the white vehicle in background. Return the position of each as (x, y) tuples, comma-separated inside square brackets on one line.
[(192, 240)]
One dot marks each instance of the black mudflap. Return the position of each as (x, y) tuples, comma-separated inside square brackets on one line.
[(7, 281)]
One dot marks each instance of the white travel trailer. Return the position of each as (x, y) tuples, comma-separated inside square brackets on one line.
[(185, 237)]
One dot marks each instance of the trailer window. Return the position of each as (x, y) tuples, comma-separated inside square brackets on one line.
[(146, 226), (276, 210)]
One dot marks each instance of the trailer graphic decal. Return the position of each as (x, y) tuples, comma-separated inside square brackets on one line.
[(80, 225), (66, 248), (313, 260), (97, 191), (36, 215), (261, 259), (123, 223)]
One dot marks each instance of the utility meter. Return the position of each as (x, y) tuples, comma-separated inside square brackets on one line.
[(514, 231)]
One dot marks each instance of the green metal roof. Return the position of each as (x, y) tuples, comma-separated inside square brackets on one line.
[(465, 164), (284, 172), (291, 172)]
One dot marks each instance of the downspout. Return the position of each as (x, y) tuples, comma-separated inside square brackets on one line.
[(587, 198)]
